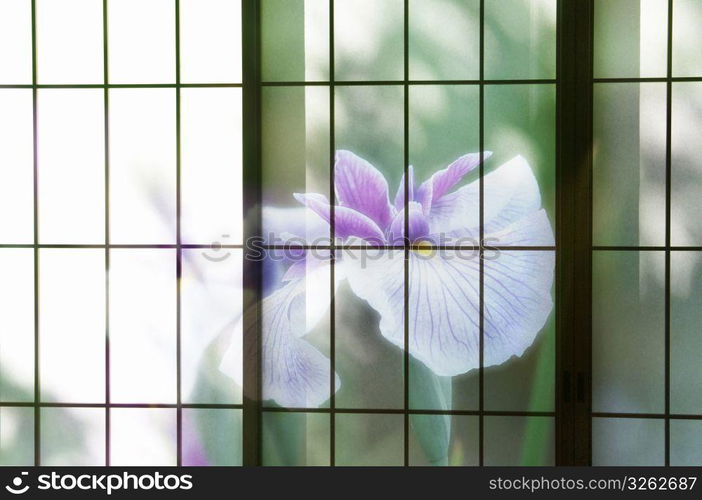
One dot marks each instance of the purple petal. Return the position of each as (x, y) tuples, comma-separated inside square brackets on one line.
[(347, 221), (418, 224), (194, 454), (361, 187), (442, 181), (400, 196)]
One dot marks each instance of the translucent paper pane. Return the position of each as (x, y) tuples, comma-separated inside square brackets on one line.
[(520, 120), (142, 166), (629, 164), (17, 436), (519, 441), (295, 40), (71, 166), (211, 168), (686, 442), (448, 440), (368, 123), (628, 332), (369, 440), (73, 436), (212, 437), (687, 38), (141, 41), (631, 38), (443, 126), (520, 329), (143, 437), (368, 39), (686, 228), (69, 41), (16, 325), (143, 326), (210, 41), (370, 367), (295, 157), (72, 325), (211, 323), (16, 157), (520, 39), (685, 340), (296, 439), (16, 42), (628, 442), (451, 52)]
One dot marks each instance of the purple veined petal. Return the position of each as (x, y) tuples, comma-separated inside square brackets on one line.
[(348, 222), (442, 181), (517, 301), (295, 373), (457, 212), (418, 225), (400, 195), (511, 193), (361, 187), (444, 305), (380, 282), (444, 309), (533, 230)]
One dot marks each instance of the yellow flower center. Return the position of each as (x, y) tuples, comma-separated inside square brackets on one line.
[(423, 248)]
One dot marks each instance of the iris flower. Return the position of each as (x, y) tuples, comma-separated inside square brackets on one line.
[(443, 283)]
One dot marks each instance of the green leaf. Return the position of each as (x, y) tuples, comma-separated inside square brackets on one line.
[(284, 439), (430, 392)]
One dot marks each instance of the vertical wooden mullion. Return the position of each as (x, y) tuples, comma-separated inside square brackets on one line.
[(574, 233), (251, 96)]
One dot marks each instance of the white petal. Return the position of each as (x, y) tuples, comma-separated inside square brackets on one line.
[(444, 302), (299, 224), (511, 193), (531, 230), (517, 302), (295, 373)]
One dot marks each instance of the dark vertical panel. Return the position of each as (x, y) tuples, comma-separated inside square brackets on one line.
[(573, 231), (582, 230), (252, 227)]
